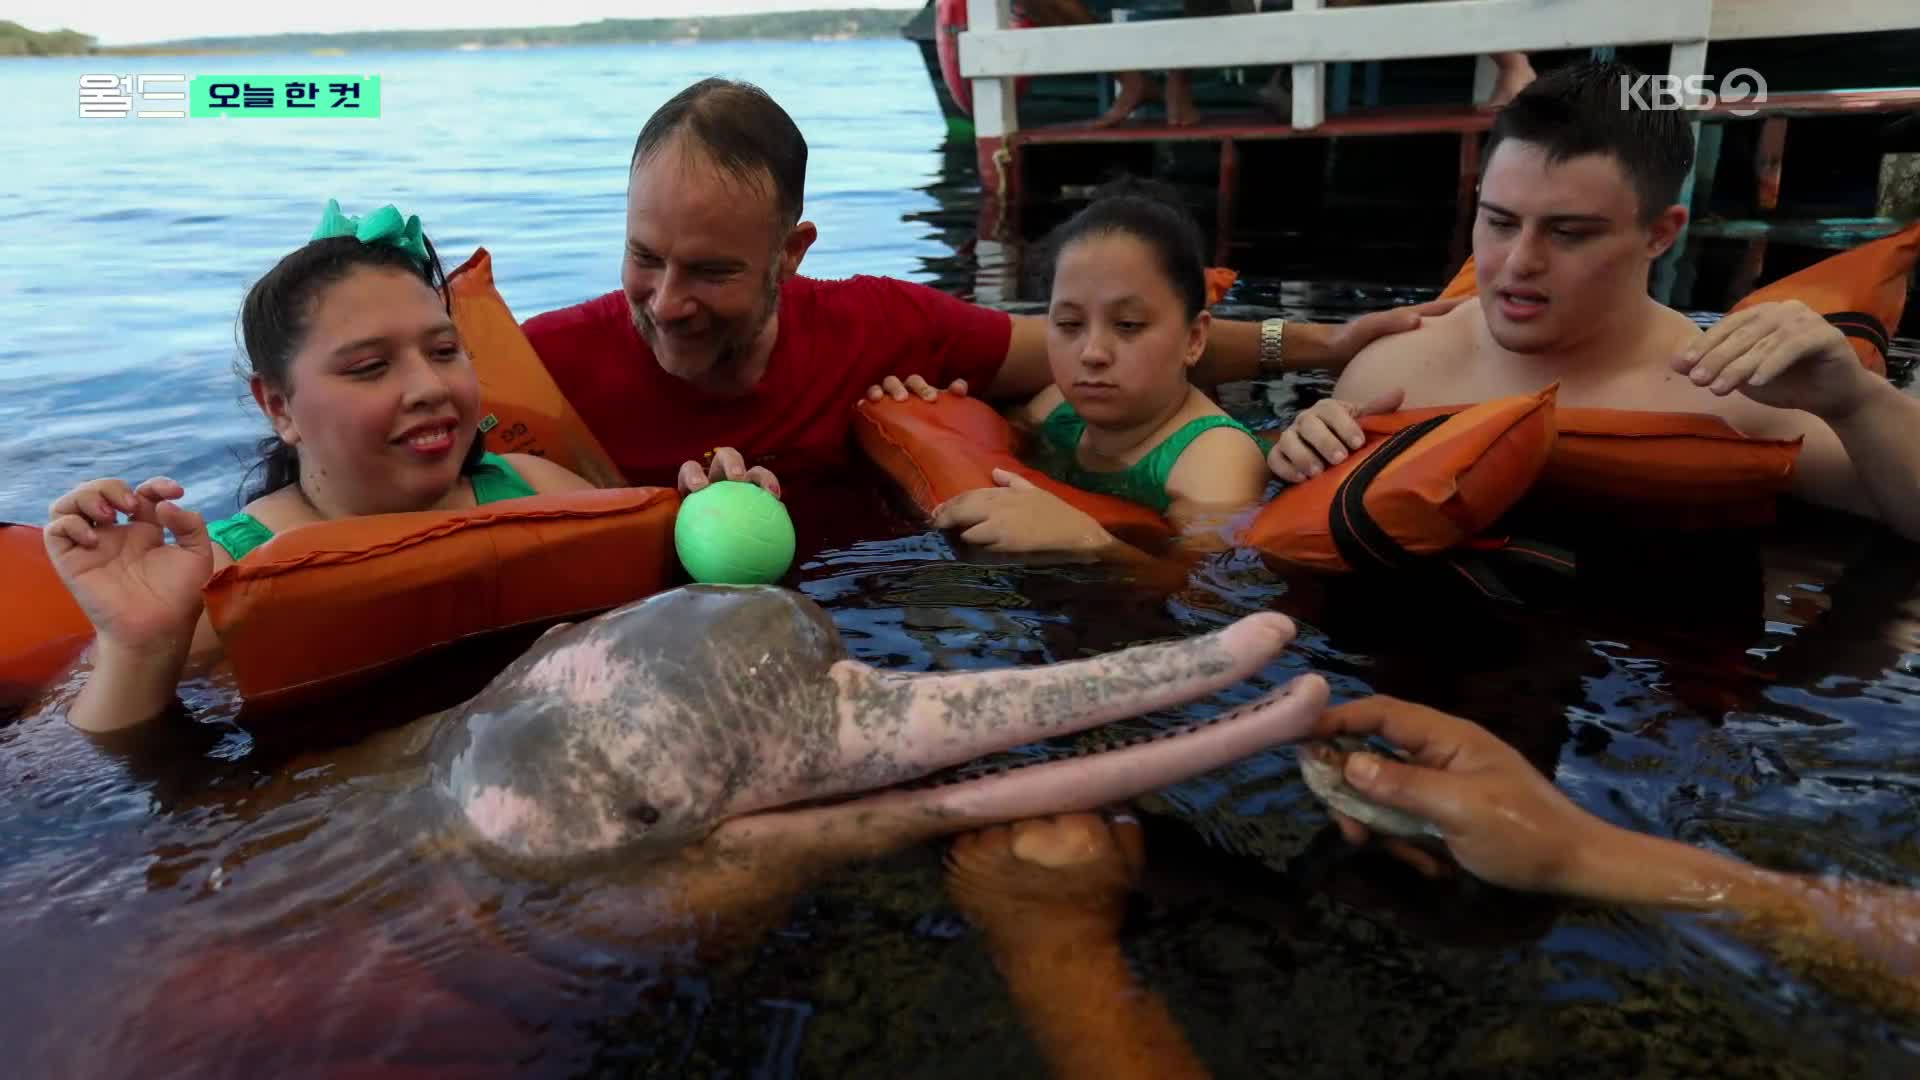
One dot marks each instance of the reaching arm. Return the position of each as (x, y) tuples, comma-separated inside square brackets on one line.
[(1857, 937), (1233, 348), (1505, 823)]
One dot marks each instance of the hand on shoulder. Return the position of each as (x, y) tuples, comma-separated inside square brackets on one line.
[(1781, 354)]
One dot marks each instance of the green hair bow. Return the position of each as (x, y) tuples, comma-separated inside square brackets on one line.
[(383, 226)]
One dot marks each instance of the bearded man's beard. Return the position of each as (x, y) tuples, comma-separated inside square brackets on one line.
[(736, 345)]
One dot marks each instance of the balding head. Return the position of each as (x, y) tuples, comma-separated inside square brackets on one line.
[(742, 131)]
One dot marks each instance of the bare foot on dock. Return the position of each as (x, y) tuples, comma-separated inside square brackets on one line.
[(1133, 93), (1179, 97), (1515, 72)]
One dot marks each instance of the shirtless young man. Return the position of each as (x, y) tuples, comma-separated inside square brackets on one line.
[(1578, 198)]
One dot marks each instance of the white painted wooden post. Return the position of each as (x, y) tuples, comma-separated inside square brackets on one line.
[(994, 105), (1688, 62), (1309, 83), (1485, 72), (995, 116)]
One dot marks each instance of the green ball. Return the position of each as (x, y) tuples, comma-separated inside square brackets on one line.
[(733, 533)]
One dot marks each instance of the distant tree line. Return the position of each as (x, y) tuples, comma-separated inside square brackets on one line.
[(16, 40)]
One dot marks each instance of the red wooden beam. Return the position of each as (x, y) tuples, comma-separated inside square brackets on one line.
[(1428, 119)]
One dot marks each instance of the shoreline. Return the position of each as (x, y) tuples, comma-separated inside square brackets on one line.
[(843, 24)]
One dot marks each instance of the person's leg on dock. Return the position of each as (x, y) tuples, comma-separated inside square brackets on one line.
[(1514, 73), (1179, 97)]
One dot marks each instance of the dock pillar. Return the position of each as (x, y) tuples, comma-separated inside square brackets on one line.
[(995, 121), (1769, 161), (1229, 189), (1466, 200)]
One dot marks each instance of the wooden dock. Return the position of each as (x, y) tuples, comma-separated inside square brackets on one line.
[(1310, 38)]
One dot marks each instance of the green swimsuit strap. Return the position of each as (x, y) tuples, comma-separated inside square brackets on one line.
[(1159, 462), (495, 479), (1143, 482), (239, 534)]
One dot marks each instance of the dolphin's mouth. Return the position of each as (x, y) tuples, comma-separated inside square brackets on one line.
[(1052, 752), (1083, 771)]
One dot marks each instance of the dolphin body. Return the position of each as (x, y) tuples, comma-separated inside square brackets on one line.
[(733, 713), (664, 777)]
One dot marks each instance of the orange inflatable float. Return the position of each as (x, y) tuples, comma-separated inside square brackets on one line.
[(320, 607), (1675, 470), (936, 450), (522, 411), (1862, 291), (45, 631), (323, 606), (1411, 491)]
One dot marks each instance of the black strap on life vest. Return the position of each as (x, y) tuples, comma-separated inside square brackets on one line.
[(1489, 570), (1360, 540), (1862, 325)]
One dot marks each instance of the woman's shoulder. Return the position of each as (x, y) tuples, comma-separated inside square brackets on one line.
[(543, 476), (277, 511)]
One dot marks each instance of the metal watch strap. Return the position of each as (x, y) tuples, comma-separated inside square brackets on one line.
[(1271, 333)]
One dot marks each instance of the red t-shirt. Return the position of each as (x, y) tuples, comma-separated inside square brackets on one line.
[(836, 339)]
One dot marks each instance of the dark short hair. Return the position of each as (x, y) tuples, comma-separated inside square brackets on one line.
[(278, 313), (1586, 109), (743, 130), (1151, 213)]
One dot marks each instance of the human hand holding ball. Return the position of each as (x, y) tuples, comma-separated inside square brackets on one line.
[(734, 533)]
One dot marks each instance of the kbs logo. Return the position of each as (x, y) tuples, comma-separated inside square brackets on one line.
[(1695, 91)]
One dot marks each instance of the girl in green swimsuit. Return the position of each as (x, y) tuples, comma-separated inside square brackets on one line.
[(374, 406), (1126, 319)]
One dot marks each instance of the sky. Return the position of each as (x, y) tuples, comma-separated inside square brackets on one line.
[(133, 24)]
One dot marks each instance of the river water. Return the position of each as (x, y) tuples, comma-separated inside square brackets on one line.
[(1767, 710)]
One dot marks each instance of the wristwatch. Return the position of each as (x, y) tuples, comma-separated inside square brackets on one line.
[(1271, 332)]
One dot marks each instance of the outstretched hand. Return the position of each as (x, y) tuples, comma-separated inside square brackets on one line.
[(1499, 817), (138, 590)]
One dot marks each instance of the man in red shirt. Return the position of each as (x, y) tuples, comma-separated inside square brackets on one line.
[(715, 353)]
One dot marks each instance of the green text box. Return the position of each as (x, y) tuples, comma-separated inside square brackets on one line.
[(286, 95)]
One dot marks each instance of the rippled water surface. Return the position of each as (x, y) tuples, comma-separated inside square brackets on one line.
[(1756, 695)]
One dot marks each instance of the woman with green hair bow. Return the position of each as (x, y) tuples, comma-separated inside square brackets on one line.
[(374, 408)]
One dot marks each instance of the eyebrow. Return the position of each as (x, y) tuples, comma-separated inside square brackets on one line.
[(442, 327), (1554, 219)]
